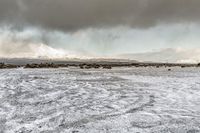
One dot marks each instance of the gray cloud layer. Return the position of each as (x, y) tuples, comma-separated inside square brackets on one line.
[(77, 14)]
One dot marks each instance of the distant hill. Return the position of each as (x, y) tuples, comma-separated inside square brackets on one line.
[(24, 61), (166, 55)]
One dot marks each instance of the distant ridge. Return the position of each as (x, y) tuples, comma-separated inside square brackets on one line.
[(24, 61), (169, 55)]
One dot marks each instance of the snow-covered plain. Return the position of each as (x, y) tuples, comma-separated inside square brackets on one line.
[(121, 100)]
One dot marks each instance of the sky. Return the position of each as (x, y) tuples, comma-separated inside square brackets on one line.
[(132, 29)]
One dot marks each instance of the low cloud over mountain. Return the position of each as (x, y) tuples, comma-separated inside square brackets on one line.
[(176, 55)]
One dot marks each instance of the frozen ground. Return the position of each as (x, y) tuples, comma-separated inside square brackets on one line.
[(122, 100)]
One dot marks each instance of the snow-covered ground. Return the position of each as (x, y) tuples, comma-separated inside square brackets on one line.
[(122, 100)]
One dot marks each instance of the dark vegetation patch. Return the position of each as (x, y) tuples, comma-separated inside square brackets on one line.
[(98, 65)]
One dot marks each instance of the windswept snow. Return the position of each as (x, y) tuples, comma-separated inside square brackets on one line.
[(122, 100)]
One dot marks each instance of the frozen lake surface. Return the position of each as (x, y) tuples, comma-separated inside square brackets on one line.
[(122, 100)]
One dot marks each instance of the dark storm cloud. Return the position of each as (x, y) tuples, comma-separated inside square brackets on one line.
[(76, 14), (8, 9)]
